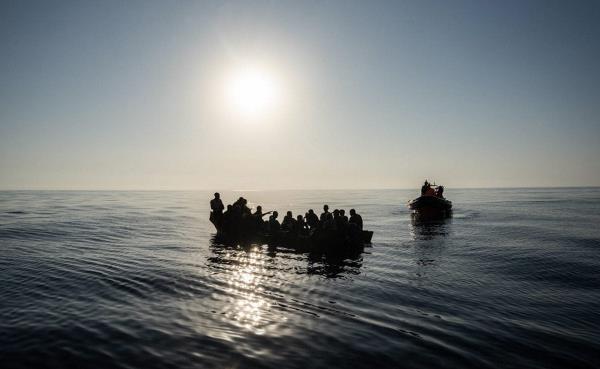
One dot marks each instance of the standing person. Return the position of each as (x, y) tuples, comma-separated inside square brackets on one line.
[(326, 216), (355, 218), (216, 207), (424, 188)]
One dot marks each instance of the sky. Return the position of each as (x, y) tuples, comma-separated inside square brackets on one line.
[(133, 94)]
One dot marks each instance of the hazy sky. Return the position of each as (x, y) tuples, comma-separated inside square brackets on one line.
[(129, 94)]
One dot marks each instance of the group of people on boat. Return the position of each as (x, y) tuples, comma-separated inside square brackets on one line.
[(239, 217), (432, 190)]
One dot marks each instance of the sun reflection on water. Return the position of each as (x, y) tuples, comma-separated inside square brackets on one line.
[(249, 305)]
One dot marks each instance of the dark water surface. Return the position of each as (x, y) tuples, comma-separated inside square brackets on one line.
[(133, 280)]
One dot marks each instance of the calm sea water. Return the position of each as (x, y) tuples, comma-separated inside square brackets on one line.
[(134, 280)]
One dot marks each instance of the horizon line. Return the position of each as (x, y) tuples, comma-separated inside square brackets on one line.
[(285, 189)]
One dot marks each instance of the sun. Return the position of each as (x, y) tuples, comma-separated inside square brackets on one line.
[(252, 91)]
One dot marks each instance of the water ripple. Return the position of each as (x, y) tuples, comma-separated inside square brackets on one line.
[(135, 279)]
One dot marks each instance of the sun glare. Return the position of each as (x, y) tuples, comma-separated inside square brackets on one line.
[(252, 92)]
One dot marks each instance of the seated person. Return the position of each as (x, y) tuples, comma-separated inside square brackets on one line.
[(300, 226), (355, 218), (343, 215), (440, 192), (335, 224), (257, 217), (241, 207), (227, 219), (342, 223), (430, 191), (311, 219), (274, 225), (289, 222), (258, 213), (326, 220)]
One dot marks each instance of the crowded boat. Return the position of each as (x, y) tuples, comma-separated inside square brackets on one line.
[(332, 229)]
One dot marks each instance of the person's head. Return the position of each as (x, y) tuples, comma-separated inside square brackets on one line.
[(259, 209), (275, 215), (217, 195), (310, 211), (299, 218), (289, 214), (326, 208), (336, 213), (352, 211), (426, 183), (342, 212)]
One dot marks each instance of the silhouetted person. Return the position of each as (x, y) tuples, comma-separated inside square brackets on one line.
[(425, 187), (274, 225), (336, 219), (440, 192), (430, 191), (227, 219), (343, 222), (216, 207), (326, 218), (325, 214), (216, 204), (427, 190), (340, 220), (288, 222), (311, 219), (300, 225), (355, 218), (257, 217), (242, 205)]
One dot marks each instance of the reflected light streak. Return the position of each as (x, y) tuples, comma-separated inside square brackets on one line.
[(244, 283)]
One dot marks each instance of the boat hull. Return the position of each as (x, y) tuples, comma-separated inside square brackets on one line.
[(316, 240), (431, 207)]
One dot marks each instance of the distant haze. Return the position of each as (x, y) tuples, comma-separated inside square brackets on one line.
[(129, 94)]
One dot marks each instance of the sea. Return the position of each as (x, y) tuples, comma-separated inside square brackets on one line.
[(131, 279)]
